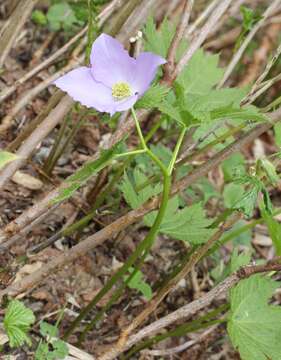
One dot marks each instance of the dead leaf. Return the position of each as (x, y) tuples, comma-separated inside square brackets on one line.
[(27, 270), (27, 181)]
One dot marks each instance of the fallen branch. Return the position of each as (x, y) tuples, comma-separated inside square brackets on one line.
[(12, 30)]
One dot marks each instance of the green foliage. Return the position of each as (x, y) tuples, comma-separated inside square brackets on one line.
[(254, 326), (269, 169), (277, 132), (201, 74), (39, 18), (17, 321), (139, 284), (74, 182), (129, 185), (231, 193), (233, 167), (188, 224), (153, 97), (238, 260), (254, 187), (61, 16), (274, 229), (51, 348), (197, 102)]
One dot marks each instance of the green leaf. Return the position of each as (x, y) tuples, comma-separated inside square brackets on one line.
[(239, 260), (270, 171), (231, 193), (233, 166), (39, 18), (171, 110), (230, 112), (250, 17), (188, 224), (60, 349), (254, 326), (78, 179), (201, 74), (274, 229), (137, 198), (139, 284), (153, 97), (48, 330), (42, 351), (248, 201), (61, 16), (17, 321), (277, 133), (6, 157)]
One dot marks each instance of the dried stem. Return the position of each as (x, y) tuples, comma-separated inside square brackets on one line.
[(35, 70), (237, 56), (12, 30), (216, 15), (180, 31)]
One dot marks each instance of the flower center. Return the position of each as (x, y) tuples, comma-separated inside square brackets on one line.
[(121, 90)]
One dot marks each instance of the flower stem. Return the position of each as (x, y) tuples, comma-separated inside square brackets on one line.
[(176, 151), (142, 248)]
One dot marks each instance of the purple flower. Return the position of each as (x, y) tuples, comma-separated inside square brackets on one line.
[(114, 81)]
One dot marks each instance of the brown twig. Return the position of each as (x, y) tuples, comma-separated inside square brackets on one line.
[(198, 41), (7, 91), (269, 11), (180, 31), (16, 22)]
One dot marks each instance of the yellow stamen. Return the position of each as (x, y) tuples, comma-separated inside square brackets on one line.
[(121, 90)]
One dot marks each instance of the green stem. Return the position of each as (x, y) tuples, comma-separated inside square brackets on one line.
[(176, 151), (144, 246)]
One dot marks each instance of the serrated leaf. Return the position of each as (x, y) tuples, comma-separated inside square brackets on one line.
[(254, 326), (6, 157), (137, 198), (153, 97), (17, 321), (48, 330), (248, 201), (139, 284), (201, 74), (171, 110), (60, 349), (78, 179), (234, 166), (61, 16), (188, 224), (230, 112)]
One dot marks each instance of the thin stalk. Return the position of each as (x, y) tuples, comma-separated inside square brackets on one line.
[(176, 151), (59, 137), (142, 247), (273, 105)]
